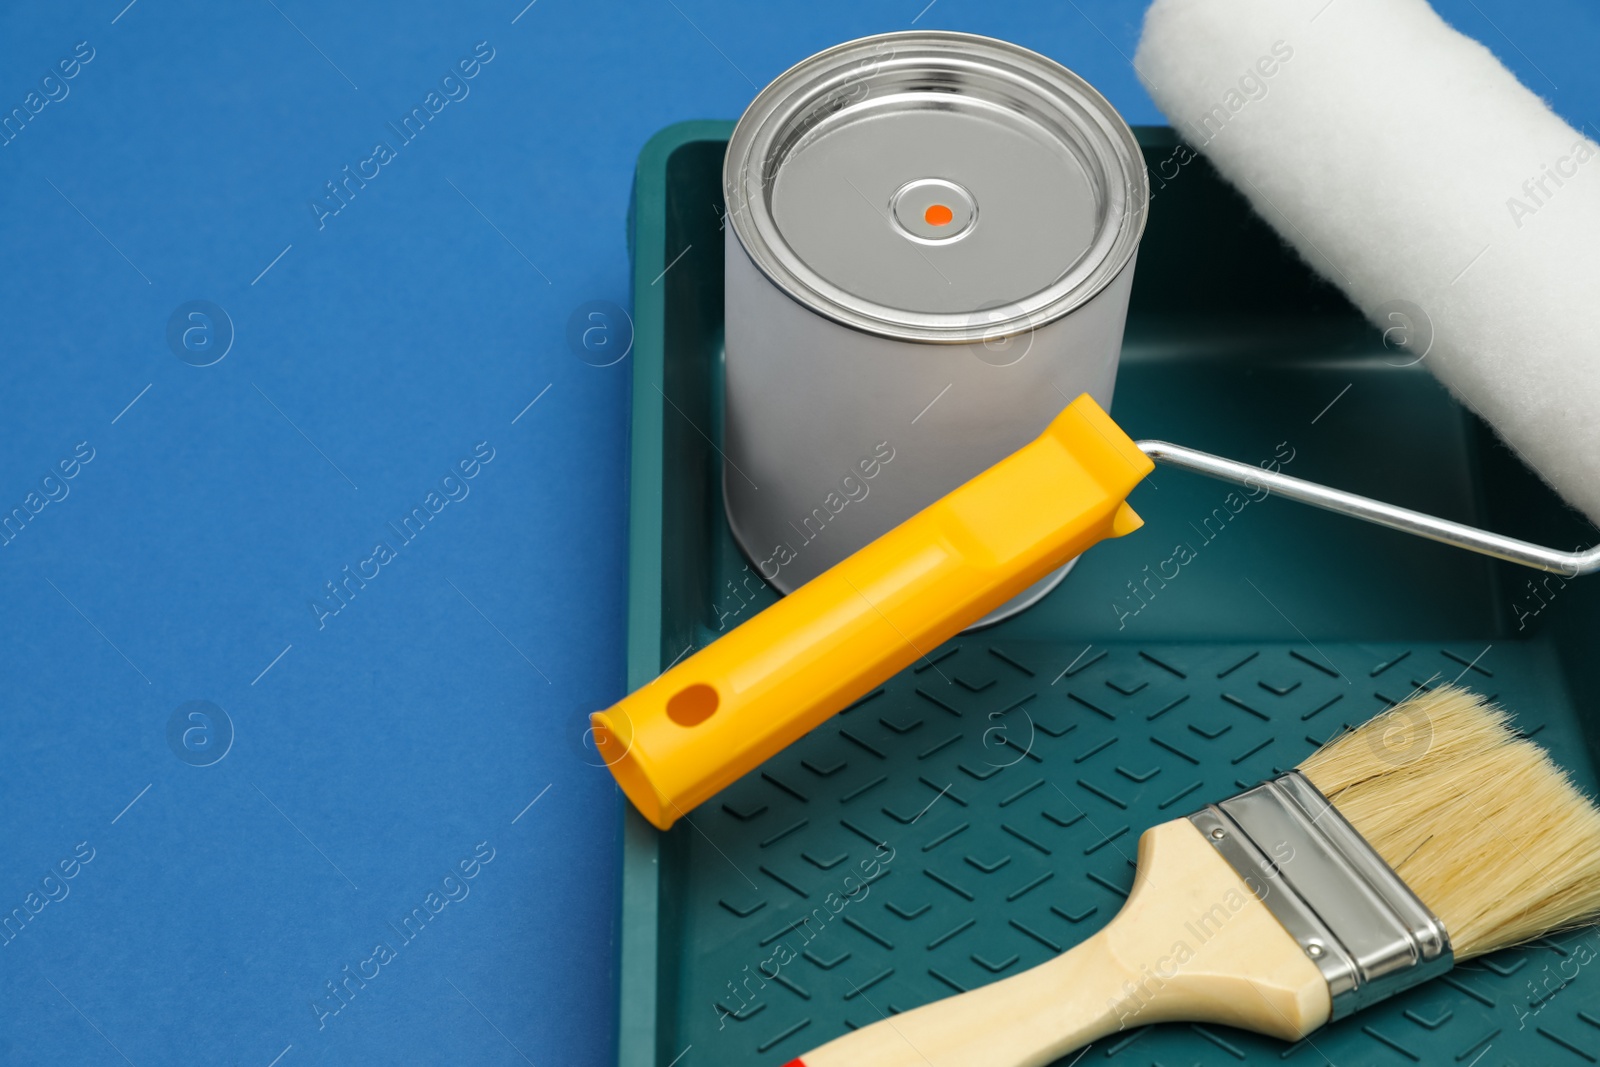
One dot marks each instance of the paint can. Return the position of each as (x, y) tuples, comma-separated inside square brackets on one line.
[(930, 243)]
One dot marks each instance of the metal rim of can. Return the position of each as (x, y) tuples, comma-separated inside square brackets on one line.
[(783, 113)]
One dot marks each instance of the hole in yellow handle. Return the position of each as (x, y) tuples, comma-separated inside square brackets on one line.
[(692, 706)]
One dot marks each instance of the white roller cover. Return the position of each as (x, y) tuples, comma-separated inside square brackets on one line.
[(1407, 165)]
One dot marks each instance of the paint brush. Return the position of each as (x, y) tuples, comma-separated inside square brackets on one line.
[(1429, 835)]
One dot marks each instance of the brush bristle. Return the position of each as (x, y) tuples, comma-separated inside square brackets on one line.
[(1482, 825)]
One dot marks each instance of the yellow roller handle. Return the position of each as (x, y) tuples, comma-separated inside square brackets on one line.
[(680, 739)]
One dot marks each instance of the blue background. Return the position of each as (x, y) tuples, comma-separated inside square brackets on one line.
[(374, 749)]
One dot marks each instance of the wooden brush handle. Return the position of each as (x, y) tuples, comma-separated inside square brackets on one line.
[(1192, 943)]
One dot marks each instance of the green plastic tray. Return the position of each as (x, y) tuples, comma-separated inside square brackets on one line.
[(1012, 773)]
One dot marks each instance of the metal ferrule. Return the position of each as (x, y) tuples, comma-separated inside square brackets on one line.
[(1348, 910)]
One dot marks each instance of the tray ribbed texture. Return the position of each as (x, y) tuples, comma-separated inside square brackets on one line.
[(995, 794)]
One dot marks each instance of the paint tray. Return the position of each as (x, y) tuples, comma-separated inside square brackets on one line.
[(1013, 770)]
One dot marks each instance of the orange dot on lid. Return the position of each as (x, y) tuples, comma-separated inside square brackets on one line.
[(938, 215)]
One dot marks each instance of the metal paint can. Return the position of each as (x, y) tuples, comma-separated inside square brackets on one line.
[(930, 244)]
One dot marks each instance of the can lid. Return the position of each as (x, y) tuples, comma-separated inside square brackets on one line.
[(935, 186)]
